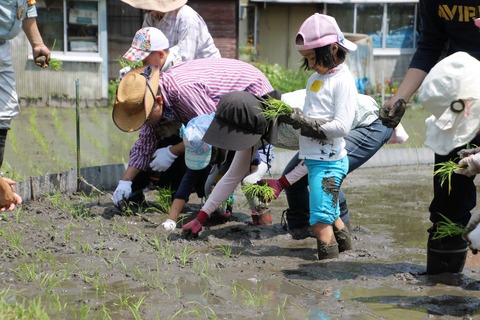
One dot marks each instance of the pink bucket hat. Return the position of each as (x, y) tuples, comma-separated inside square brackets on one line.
[(320, 30), (146, 41)]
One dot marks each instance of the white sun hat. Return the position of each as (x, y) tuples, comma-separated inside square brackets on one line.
[(451, 92)]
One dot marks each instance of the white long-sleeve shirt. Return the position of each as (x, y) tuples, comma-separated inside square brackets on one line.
[(331, 99)]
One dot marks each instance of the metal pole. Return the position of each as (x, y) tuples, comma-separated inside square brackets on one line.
[(77, 109)]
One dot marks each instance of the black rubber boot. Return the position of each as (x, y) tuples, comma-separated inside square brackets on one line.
[(297, 223), (344, 238), (295, 219), (446, 254), (327, 251)]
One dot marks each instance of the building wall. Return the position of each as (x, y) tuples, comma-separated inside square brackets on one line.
[(277, 28), (221, 17), (43, 87)]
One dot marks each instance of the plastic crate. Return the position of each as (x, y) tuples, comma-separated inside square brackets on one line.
[(79, 16)]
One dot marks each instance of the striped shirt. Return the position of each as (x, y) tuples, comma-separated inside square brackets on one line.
[(186, 29), (193, 88)]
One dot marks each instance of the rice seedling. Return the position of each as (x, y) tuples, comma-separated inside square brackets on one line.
[(274, 108), (135, 308), (84, 311), (225, 249), (263, 192), (50, 282), (447, 228), (18, 214), (155, 280), (164, 199), (444, 171), (186, 254), (103, 313), (55, 64), (282, 307), (10, 309), (256, 298), (14, 239), (85, 248), (27, 272), (204, 312)]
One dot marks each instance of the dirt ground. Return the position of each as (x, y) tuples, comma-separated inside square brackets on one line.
[(77, 257)]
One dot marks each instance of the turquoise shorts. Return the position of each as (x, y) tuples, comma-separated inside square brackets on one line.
[(325, 179)]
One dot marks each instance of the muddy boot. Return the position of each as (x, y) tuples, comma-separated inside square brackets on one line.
[(344, 238), (327, 251), (297, 223), (447, 254), (294, 219)]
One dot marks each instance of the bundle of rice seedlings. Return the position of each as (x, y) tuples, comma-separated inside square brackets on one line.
[(263, 192), (55, 64), (445, 171), (274, 108), (447, 228)]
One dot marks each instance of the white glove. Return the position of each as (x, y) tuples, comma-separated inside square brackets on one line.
[(162, 159), (169, 225), (469, 166), (472, 232), (123, 191)]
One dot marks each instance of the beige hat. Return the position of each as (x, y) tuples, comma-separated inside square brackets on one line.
[(135, 98), (156, 5), (451, 93)]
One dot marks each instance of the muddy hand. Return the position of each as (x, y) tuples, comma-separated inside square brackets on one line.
[(391, 116), (468, 152), (294, 119), (42, 61)]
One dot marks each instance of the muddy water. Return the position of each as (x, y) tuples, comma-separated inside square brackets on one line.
[(270, 276)]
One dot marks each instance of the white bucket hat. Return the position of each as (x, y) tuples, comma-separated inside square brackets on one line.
[(451, 92), (156, 5)]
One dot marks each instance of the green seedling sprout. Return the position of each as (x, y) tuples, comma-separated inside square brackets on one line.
[(55, 63), (444, 171), (262, 192), (275, 108), (447, 228), (164, 199)]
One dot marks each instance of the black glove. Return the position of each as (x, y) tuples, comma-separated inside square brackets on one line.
[(308, 127), (294, 119), (391, 117)]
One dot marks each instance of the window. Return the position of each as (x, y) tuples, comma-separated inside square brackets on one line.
[(71, 28), (248, 33), (389, 25)]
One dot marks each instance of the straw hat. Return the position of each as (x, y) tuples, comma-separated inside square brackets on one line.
[(156, 5), (135, 98)]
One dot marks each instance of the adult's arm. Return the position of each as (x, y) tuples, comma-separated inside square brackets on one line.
[(29, 26), (226, 185)]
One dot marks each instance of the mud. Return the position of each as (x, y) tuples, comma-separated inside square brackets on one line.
[(104, 265)]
